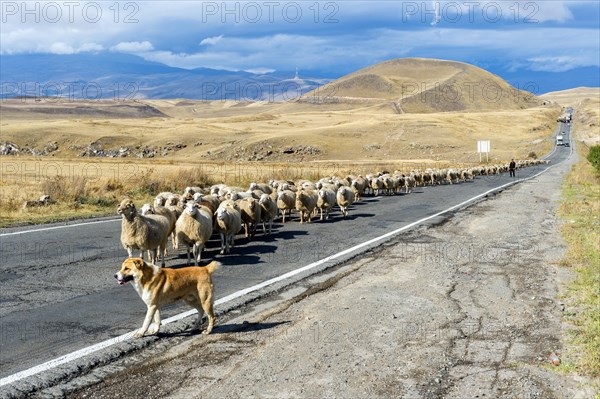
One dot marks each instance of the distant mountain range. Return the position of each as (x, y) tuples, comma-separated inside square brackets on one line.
[(123, 76)]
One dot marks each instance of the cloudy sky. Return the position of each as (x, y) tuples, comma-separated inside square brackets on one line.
[(333, 37)]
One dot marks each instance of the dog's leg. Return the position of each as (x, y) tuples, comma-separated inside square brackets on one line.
[(194, 302), (149, 315), (206, 299), (156, 328)]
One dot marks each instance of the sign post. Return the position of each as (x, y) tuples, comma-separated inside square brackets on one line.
[(483, 146)]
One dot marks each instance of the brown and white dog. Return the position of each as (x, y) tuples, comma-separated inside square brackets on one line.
[(158, 286)]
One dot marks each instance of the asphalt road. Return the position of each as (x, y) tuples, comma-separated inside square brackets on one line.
[(58, 293)]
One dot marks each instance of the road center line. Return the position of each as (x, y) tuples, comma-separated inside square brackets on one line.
[(107, 343)]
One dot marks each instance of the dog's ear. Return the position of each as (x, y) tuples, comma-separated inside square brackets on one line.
[(138, 262)]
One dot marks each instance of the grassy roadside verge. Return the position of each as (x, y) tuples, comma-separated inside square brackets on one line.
[(580, 211)]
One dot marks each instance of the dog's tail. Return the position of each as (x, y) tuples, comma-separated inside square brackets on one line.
[(213, 266)]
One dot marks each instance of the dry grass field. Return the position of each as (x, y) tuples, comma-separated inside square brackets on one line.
[(368, 126)]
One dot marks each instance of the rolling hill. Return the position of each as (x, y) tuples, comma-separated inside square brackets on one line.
[(418, 85)]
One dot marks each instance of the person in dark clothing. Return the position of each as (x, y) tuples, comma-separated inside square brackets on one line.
[(511, 167)]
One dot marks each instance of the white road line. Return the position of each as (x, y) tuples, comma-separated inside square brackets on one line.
[(57, 227), (105, 344)]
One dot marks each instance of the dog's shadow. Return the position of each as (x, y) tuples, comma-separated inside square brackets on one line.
[(233, 328)]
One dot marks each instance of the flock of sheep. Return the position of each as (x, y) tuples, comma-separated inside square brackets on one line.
[(191, 218)]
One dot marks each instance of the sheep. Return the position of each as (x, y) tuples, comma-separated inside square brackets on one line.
[(144, 233), (173, 204), (401, 181), (276, 184), (161, 198), (358, 185), (193, 229), (344, 197), (466, 174), (268, 212), (306, 184), (326, 201), (236, 195), (376, 185), (228, 224), (306, 202), (452, 176), (192, 190), (409, 184), (148, 209), (390, 184), (286, 201), (265, 188), (417, 177), (173, 200), (210, 201), (251, 216)]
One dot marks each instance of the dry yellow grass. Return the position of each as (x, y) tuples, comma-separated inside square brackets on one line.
[(222, 131)]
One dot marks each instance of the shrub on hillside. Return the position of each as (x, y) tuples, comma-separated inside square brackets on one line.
[(594, 157)]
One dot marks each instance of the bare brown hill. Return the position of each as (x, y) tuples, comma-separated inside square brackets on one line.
[(57, 107), (418, 85)]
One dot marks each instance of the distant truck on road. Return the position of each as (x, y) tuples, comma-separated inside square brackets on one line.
[(566, 118), (560, 140)]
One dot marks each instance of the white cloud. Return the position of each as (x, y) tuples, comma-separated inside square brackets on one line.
[(133, 47), (560, 63), (61, 48), (90, 47), (260, 71), (211, 41)]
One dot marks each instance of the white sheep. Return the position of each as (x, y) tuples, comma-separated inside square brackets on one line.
[(228, 224), (161, 198), (358, 186), (265, 188), (326, 201), (376, 185), (192, 190), (286, 201), (409, 183), (306, 203), (148, 209), (268, 212), (193, 229), (144, 233), (250, 211), (345, 198)]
